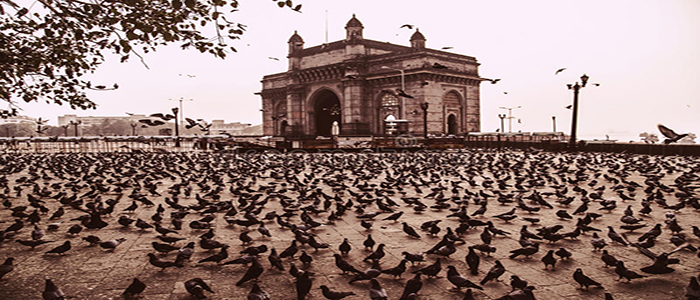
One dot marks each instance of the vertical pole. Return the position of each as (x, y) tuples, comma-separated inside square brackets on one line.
[(554, 124), (572, 142), (425, 123), (403, 103)]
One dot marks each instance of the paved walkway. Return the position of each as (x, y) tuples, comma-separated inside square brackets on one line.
[(86, 272)]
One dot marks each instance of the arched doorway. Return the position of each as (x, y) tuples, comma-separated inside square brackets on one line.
[(326, 110), (283, 127), (451, 124)]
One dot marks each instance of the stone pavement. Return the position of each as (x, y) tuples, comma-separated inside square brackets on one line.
[(87, 272)]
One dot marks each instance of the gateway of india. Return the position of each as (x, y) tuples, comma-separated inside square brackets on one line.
[(361, 87)]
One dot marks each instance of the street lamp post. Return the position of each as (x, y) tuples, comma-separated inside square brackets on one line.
[(403, 88), (554, 124), (424, 107), (576, 87), (502, 116), (177, 130), (510, 116), (182, 111)]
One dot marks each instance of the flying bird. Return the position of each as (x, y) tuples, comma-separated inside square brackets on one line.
[(559, 71), (446, 48), (493, 81), (568, 106), (409, 26), (401, 93), (273, 58), (297, 8), (671, 136)]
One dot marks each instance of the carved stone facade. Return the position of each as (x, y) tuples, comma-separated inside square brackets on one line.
[(356, 82)]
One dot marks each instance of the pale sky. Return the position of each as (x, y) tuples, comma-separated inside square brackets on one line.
[(645, 55)]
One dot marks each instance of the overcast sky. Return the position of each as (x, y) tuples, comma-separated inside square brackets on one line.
[(645, 55)]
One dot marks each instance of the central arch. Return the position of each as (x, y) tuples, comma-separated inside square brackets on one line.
[(452, 124), (326, 111)]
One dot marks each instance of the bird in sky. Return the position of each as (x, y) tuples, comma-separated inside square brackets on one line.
[(568, 106), (559, 71), (273, 58), (493, 81), (505, 93), (446, 48), (671, 136), (409, 26), (401, 93), (297, 8)]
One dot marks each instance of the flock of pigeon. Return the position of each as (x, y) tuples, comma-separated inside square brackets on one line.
[(469, 225)]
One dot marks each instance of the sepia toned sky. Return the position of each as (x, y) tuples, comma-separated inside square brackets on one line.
[(644, 54)]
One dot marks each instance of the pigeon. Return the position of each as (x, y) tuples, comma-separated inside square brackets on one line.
[(431, 270), (413, 285), (196, 288), (218, 257), (584, 280), (628, 274), (410, 231), (334, 295), (413, 258), (549, 259), (559, 71), (252, 273), (344, 247), (256, 293), (6, 267), (60, 249), (112, 244), (52, 292), (135, 288), (398, 270), (458, 281), (303, 286), (473, 261), (369, 242), (162, 264), (608, 259), (496, 271), (376, 292), (692, 291)]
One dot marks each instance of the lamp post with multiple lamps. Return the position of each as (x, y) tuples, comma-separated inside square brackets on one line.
[(75, 125), (510, 116), (424, 107), (403, 88), (182, 111), (576, 87)]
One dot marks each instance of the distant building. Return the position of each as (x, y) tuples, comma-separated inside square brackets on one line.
[(355, 82), (18, 120), (235, 128), (91, 120)]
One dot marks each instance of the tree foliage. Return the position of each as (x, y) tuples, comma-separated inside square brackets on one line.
[(47, 48), (649, 138)]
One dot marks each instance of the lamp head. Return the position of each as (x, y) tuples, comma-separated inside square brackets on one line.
[(584, 79), (424, 106), (569, 86)]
